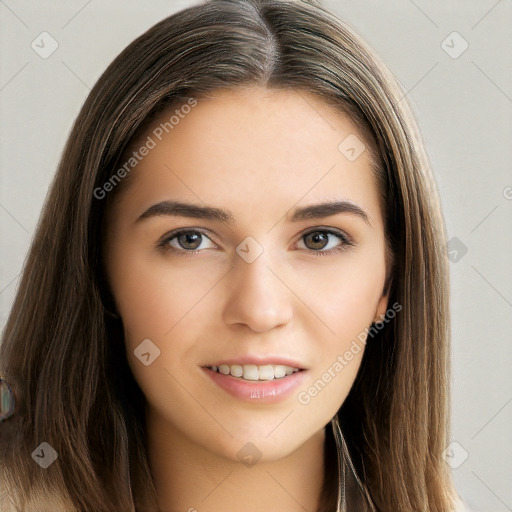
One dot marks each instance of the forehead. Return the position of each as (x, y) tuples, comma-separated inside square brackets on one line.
[(254, 147)]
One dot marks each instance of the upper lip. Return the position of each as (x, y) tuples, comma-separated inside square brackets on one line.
[(260, 361)]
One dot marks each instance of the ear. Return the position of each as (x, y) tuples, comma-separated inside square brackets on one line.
[(382, 307)]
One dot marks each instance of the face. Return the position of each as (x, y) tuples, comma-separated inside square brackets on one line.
[(241, 296)]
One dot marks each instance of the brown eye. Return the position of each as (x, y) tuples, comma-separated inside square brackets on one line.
[(316, 240), (325, 241), (190, 240), (187, 241)]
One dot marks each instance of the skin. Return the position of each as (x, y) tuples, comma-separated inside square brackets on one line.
[(260, 154)]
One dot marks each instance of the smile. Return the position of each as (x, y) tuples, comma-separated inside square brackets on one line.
[(264, 384), (252, 372)]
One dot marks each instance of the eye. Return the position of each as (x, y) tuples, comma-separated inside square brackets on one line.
[(189, 241), (325, 241), (192, 241)]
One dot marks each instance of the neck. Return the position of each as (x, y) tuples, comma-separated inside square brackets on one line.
[(190, 478)]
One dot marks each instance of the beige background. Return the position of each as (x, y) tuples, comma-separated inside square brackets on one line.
[(464, 106)]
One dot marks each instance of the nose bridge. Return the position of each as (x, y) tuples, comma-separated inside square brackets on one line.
[(257, 297)]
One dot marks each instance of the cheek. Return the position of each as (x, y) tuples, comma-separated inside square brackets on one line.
[(345, 301), (350, 307), (344, 296), (154, 295), (164, 303)]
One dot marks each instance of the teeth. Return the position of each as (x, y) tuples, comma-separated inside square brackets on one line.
[(253, 372), (266, 372), (236, 370), (280, 371), (250, 372)]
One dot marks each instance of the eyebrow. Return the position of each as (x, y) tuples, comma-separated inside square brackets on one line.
[(316, 211)]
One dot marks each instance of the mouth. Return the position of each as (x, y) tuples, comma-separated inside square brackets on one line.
[(252, 372), (258, 378), (248, 381)]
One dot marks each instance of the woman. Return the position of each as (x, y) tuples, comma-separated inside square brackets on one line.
[(164, 350)]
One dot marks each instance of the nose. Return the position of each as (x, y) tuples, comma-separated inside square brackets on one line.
[(257, 297)]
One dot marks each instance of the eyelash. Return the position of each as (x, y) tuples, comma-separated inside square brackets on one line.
[(346, 242)]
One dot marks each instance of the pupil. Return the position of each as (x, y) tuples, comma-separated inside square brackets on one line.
[(190, 240), (319, 240)]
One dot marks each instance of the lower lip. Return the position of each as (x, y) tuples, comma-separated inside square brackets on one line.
[(260, 391)]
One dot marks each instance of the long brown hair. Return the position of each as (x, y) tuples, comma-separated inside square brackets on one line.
[(64, 355)]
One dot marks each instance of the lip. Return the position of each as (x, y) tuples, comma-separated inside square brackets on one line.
[(269, 391)]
